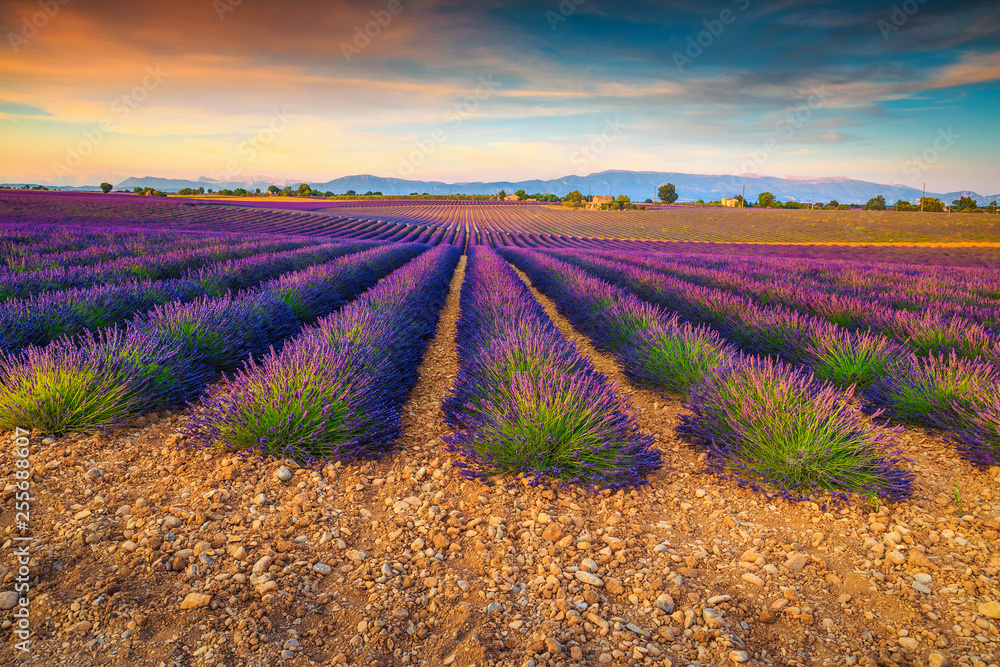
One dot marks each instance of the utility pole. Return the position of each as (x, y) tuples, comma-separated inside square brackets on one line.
[(743, 201), (814, 203), (922, 195)]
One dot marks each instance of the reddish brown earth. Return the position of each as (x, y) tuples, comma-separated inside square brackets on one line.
[(147, 553)]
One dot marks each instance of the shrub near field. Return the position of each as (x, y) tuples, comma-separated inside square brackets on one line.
[(764, 424), (926, 327), (831, 352), (943, 391)]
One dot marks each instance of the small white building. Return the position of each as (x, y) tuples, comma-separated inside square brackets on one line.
[(599, 200)]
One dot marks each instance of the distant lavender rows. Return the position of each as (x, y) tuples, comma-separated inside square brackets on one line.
[(94, 210), (161, 265), (25, 258), (47, 316), (446, 224), (24, 245), (940, 312)]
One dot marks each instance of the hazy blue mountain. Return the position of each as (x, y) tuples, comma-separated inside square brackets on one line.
[(638, 185)]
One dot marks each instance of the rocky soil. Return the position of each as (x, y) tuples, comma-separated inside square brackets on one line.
[(146, 552)]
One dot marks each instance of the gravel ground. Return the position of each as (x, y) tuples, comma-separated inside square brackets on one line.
[(149, 553)]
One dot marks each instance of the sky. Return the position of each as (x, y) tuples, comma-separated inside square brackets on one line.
[(903, 92)]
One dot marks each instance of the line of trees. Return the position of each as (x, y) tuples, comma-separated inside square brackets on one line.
[(878, 203), (963, 204)]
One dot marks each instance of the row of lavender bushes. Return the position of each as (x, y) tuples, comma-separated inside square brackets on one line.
[(168, 356), (944, 391), (763, 423), (334, 392), (33, 239), (832, 353), (943, 289), (653, 346), (25, 258), (168, 265), (526, 401), (932, 328), (48, 316)]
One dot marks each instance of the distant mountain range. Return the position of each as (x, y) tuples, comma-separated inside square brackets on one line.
[(638, 185)]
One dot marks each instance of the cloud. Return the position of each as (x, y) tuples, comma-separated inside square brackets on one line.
[(8, 108)]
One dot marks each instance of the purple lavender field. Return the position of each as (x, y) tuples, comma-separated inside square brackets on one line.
[(798, 372), (646, 397)]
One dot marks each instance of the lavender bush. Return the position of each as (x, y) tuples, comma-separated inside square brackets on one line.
[(222, 332), (46, 317), (978, 438), (767, 425), (846, 359), (79, 386), (958, 396), (939, 391), (526, 401)]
